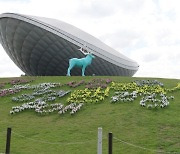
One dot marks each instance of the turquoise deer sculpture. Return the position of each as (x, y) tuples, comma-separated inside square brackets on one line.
[(83, 63)]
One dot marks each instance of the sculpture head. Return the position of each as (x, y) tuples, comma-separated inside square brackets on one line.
[(86, 52), (91, 55)]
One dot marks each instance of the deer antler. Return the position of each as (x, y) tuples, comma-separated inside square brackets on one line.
[(80, 49), (84, 51)]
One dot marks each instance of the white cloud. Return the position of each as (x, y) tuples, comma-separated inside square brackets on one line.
[(7, 67), (158, 62), (146, 31)]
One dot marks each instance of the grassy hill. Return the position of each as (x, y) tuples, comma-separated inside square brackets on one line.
[(146, 131)]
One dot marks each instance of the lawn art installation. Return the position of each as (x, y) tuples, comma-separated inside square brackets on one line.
[(82, 63), (152, 93), (17, 87), (44, 98)]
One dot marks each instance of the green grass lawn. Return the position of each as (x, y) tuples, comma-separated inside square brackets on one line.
[(155, 129)]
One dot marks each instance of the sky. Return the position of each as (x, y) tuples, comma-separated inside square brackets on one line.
[(147, 31)]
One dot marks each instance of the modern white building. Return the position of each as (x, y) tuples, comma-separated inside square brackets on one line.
[(43, 46)]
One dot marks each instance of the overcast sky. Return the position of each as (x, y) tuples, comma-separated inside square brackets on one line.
[(147, 31)]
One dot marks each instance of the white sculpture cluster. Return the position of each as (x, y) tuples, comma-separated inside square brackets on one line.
[(41, 107), (155, 100)]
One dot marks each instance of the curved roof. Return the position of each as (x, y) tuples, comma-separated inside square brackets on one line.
[(79, 38)]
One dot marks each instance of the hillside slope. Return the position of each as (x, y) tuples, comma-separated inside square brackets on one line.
[(136, 129)]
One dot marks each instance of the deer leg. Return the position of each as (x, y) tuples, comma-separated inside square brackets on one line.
[(69, 70), (83, 70)]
